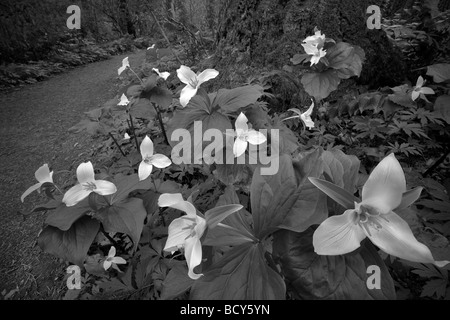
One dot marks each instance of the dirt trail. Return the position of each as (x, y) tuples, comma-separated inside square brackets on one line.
[(33, 127)]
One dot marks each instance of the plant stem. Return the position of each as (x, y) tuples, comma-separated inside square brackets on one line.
[(142, 83), (117, 144), (134, 131), (161, 123)]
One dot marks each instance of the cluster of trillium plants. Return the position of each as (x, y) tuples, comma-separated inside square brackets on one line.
[(290, 201)]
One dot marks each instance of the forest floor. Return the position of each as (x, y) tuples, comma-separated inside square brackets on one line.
[(33, 124)]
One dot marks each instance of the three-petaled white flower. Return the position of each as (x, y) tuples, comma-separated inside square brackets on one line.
[(185, 232), (149, 159), (112, 260), (125, 64), (373, 217), (305, 116), (163, 75), (193, 82), (245, 135), (43, 175), (419, 90), (313, 46), (126, 136), (123, 100), (86, 185)]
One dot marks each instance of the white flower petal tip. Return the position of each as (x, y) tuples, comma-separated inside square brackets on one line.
[(123, 100), (42, 175), (384, 190), (163, 75), (87, 184), (149, 159), (193, 82), (184, 232), (125, 64)]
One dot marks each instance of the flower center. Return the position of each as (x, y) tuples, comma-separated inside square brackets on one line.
[(89, 186), (244, 137), (367, 217), (193, 83), (148, 159)]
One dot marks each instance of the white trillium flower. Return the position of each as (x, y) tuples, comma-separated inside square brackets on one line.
[(318, 39), (185, 232), (43, 175), (152, 47), (86, 185), (245, 135), (419, 90), (112, 260), (163, 75), (125, 64), (126, 136), (193, 82), (373, 218), (305, 116), (149, 159), (123, 100), (315, 52)]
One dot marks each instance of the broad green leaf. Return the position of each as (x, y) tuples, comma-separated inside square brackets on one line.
[(442, 107), (232, 100), (215, 215), (71, 245), (241, 274), (176, 282), (339, 55), (343, 168), (440, 72), (300, 58), (127, 184), (311, 276), (134, 91), (63, 217), (320, 85), (287, 199), (143, 108), (126, 217), (341, 196)]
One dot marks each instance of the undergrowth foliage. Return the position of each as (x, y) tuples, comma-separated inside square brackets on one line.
[(142, 226)]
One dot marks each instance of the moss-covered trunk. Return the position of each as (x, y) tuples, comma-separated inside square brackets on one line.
[(268, 33)]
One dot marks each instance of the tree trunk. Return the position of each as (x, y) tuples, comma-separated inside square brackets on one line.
[(268, 33)]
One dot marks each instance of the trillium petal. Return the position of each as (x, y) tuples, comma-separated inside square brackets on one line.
[(419, 82), (385, 186), (414, 95), (176, 201), (307, 121), (30, 190), (338, 235), (255, 137), (75, 195), (161, 161), (125, 64), (314, 60), (179, 230), (309, 48), (112, 252), (396, 238), (239, 147), (241, 124), (144, 170), (104, 187), (186, 75), (107, 264), (186, 95), (193, 254), (123, 100), (126, 136), (206, 75), (43, 174), (85, 172), (119, 260), (146, 147), (426, 90)]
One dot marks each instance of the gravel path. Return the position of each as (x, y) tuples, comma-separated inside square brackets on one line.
[(33, 126)]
